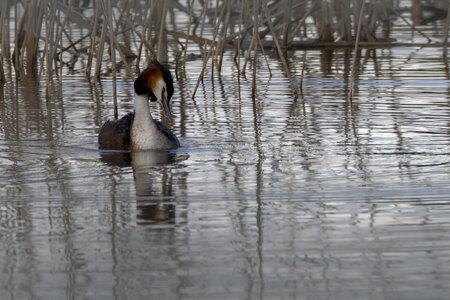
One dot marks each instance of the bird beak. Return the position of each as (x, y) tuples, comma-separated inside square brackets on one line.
[(166, 107)]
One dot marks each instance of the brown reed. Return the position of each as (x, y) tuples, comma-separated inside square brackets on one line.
[(355, 51), (445, 34), (39, 36)]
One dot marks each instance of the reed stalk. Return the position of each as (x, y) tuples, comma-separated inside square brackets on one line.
[(2, 72), (264, 55), (3, 40), (240, 34), (39, 32), (303, 73), (217, 20), (161, 29), (93, 35), (280, 52), (200, 77), (256, 7), (150, 7), (247, 56), (300, 24), (58, 58), (190, 3), (41, 22), (413, 28), (355, 51), (445, 31), (286, 22), (237, 57), (108, 13), (61, 29), (203, 16), (100, 49), (49, 42), (4, 31), (223, 37)]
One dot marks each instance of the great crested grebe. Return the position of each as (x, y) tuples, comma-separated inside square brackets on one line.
[(138, 130)]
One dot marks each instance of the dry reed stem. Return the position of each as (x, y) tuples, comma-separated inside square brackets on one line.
[(255, 53), (144, 30), (286, 23), (447, 24), (198, 40), (41, 21), (210, 52), (72, 44), (247, 56), (369, 34), (238, 51), (93, 36), (147, 45), (2, 73), (280, 52), (203, 16), (413, 28), (190, 3), (23, 37), (358, 33), (31, 40), (61, 29), (161, 29), (60, 45), (200, 77), (300, 24), (217, 26), (237, 57), (4, 23), (222, 40), (303, 73), (282, 21), (264, 55), (100, 50), (49, 42), (141, 36), (309, 45), (108, 14)]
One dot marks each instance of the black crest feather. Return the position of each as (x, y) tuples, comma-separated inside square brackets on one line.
[(141, 85)]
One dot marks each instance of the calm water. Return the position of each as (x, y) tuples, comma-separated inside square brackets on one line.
[(268, 198)]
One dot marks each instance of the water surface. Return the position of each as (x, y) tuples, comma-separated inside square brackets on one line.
[(271, 197)]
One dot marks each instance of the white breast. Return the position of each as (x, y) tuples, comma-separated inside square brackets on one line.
[(146, 136)]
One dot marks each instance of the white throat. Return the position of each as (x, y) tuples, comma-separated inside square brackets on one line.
[(144, 129), (142, 109)]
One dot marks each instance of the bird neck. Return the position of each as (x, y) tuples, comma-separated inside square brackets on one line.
[(144, 128), (142, 113)]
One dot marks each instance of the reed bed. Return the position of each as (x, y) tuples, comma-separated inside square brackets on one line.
[(40, 37)]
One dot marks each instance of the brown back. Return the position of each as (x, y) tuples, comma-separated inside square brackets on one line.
[(116, 135)]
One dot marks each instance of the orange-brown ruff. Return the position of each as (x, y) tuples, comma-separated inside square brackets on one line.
[(138, 130)]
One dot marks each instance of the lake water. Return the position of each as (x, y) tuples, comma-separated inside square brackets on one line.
[(268, 198)]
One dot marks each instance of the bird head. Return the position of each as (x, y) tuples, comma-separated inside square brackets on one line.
[(156, 81)]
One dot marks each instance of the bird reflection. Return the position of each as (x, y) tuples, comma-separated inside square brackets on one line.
[(153, 182), (151, 213), (153, 186), (120, 159)]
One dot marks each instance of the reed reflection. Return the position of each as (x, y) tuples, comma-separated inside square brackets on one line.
[(153, 182)]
